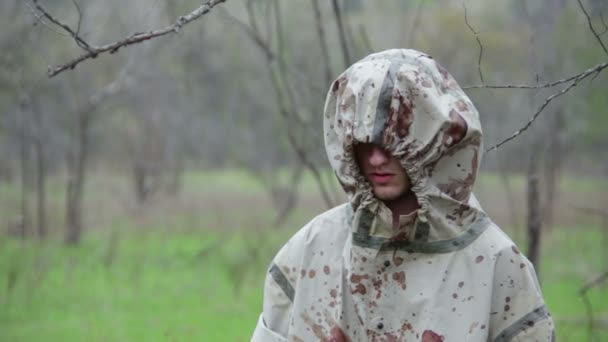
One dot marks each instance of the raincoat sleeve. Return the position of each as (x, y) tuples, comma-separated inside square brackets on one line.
[(279, 290), (273, 322), (518, 311)]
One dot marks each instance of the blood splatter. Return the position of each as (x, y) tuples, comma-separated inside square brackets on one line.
[(431, 336), (398, 261), (360, 288), (356, 278), (400, 278)]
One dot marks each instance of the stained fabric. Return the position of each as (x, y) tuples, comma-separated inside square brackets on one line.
[(448, 273)]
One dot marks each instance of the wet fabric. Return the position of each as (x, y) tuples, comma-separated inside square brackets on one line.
[(448, 273)]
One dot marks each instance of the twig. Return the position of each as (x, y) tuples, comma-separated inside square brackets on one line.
[(603, 23), (597, 69), (415, 25), (583, 293), (602, 277), (267, 50), (322, 41), (252, 33), (39, 18), (79, 15), (300, 151), (367, 45), (533, 118), (343, 44), (597, 36), (593, 211), (589, 312), (574, 80), (79, 41), (93, 51), (280, 47), (476, 33), (123, 79), (268, 22), (277, 77)]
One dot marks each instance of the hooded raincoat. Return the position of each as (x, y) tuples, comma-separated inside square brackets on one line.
[(448, 273)]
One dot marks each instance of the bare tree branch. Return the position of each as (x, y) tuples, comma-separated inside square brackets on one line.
[(574, 82), (280, 46), (279, 78), (39, 18), (415, 24), (583, 293), (93, 51), (338, 15), (596, 70), (267, 50), (597, 36), (122, 79), (476, 33), (603, 23), (602, 277), (254, 32), (322, 41), (527, 86), (589, 311), (593, 211), (367, 45), (299, 149), (79, 16), (79, 41)]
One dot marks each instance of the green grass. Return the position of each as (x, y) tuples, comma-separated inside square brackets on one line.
[(156, 287), (162, 286), (192, 268)]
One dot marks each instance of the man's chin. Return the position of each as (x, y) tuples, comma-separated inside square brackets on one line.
[(387, 195)]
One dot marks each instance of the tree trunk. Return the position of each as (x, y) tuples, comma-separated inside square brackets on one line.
[(176, 173), (553, 167), (285, 198), (41, 173), (24, 155), (534, 212), (510, 197), (76, 179), (140, 180), (77, 161)]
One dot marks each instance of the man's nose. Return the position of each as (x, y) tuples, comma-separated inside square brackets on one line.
[(378, 156)]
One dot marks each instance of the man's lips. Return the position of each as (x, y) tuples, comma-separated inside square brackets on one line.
[(381, 178)]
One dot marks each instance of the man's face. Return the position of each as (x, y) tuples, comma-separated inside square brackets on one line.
[(384, 172)]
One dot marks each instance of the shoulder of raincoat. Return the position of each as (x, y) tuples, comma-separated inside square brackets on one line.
[(447, 274)]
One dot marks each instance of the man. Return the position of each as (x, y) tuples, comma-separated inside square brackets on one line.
[(412, 257)]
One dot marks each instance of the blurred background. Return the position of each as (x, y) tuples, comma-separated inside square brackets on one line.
[(144, 193)]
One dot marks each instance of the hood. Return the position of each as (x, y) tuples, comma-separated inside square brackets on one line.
[(406, 102)]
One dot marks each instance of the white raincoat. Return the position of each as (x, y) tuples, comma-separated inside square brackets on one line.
[(448, 273)]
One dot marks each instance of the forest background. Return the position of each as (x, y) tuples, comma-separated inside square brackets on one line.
[(144, 193)]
